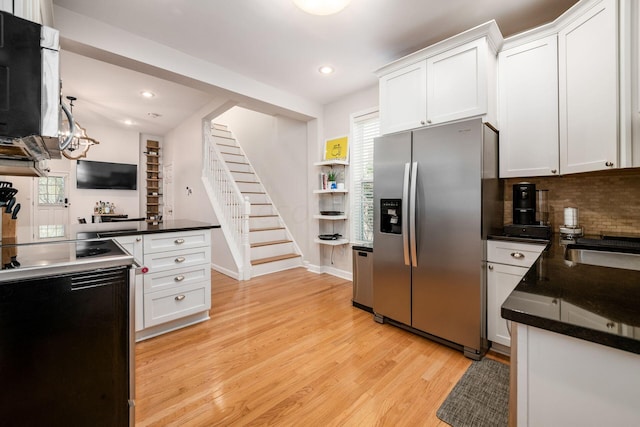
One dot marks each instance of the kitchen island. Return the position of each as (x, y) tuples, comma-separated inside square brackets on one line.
[(172, 285), (577, 342)]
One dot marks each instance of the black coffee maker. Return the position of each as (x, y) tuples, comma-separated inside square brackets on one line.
[(524, 214), (524, 203)]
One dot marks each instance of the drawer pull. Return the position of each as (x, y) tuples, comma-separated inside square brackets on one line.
[(138, 239), (610, 325), (180, 297), (517, 255), (178, 241), (180, 259), (491, 267), (178, 278)]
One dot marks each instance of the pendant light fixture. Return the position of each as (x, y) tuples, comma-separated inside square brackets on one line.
[(80, 142), (321, 7)]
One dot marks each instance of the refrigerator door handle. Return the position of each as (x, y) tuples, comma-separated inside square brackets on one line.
[(412, 215), (405, 210)]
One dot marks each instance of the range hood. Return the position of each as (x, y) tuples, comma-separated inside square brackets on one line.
[(29, 96), (27, 156)]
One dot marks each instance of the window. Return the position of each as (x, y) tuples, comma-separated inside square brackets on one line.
[(51, 190), (365, 127)]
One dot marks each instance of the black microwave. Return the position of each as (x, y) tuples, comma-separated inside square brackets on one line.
[(29, 78)]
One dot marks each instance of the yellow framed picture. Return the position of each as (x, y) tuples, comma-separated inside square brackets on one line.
[(336, 148)]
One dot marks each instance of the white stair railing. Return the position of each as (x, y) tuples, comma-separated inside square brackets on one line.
[(230, 206)]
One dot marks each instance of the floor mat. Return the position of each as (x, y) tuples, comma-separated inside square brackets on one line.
[(480, 398)]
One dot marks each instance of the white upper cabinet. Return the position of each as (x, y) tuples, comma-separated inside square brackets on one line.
[(403, 98), (451, 80), (588, 83), (528, 113), (457, 83)]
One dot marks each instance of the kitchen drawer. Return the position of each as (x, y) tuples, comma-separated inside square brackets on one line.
[(181, 258), (159, 242), (514, 253), (164, 306), (176, 278)]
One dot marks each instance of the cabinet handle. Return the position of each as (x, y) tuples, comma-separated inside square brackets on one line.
[(178, 278), (180, 259), (178, 241), (490, 267), (429, 121), (554, 302), (138, 239), (608, 164), (610, 325), (517, 255), (422, 122), (180, 298), (554, 171)]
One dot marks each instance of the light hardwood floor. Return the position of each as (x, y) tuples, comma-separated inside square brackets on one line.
[(289, 349)]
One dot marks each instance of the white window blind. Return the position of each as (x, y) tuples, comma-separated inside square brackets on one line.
[(365, 128)]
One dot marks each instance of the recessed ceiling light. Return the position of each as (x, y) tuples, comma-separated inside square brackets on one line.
[(128, 122), (147, 94), (321, 7), (326, 69)]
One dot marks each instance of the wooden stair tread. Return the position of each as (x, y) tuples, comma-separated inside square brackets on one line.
[(247, 182), (265, 229), (263, 216), (274, 258), (272, 242)]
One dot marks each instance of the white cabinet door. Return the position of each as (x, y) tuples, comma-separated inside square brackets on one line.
[(588, 82), (501, 281), (457, 83), (528, 83), (403, 103)]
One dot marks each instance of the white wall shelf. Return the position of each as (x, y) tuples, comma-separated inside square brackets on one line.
[(332, 163), (330, 217), (329, 191), (337, 242)]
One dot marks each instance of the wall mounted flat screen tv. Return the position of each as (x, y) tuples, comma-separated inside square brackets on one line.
[(106, 176)]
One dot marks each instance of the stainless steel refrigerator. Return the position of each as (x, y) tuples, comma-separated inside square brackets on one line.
[(437, 195)]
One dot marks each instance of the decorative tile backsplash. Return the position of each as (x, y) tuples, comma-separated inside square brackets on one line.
[(607, 201)]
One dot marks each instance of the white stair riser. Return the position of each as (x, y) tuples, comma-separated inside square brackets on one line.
[(234, 158), (238, 176), (262, 210), (239, 167), (267, 236), (264, 222), (256, 198), (227, 149), (271, 250), (221, 133), (254, 187), (272, 267)]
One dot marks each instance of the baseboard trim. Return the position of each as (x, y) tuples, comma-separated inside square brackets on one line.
[(346, 275), (226, 271)]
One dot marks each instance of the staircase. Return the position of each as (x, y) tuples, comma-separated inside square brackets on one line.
[(264, 245)]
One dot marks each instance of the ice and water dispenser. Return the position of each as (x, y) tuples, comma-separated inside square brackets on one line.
[(391, 216)]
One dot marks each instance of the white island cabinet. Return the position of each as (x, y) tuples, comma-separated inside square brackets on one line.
[(176, 290), (450, 80), (566, 381)]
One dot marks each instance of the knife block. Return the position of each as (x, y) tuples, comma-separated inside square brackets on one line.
[(9, 250)]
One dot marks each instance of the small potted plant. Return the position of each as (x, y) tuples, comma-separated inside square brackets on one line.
[(331, 177)]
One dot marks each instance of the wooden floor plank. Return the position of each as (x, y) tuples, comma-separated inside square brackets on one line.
[(289, 349)]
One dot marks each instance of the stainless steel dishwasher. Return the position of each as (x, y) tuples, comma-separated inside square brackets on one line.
[(363, 277)]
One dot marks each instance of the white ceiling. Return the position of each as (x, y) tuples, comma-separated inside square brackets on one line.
[(273, 42)]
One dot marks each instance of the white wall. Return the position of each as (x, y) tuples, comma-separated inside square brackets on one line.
[(337, 122), (116, 145), (183, 148)]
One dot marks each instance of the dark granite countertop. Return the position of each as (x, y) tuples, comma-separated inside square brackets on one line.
[(597, 304), (116, 229)]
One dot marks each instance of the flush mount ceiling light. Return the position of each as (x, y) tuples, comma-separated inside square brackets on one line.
[(321, 7), (326, 69), (147, 94)]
